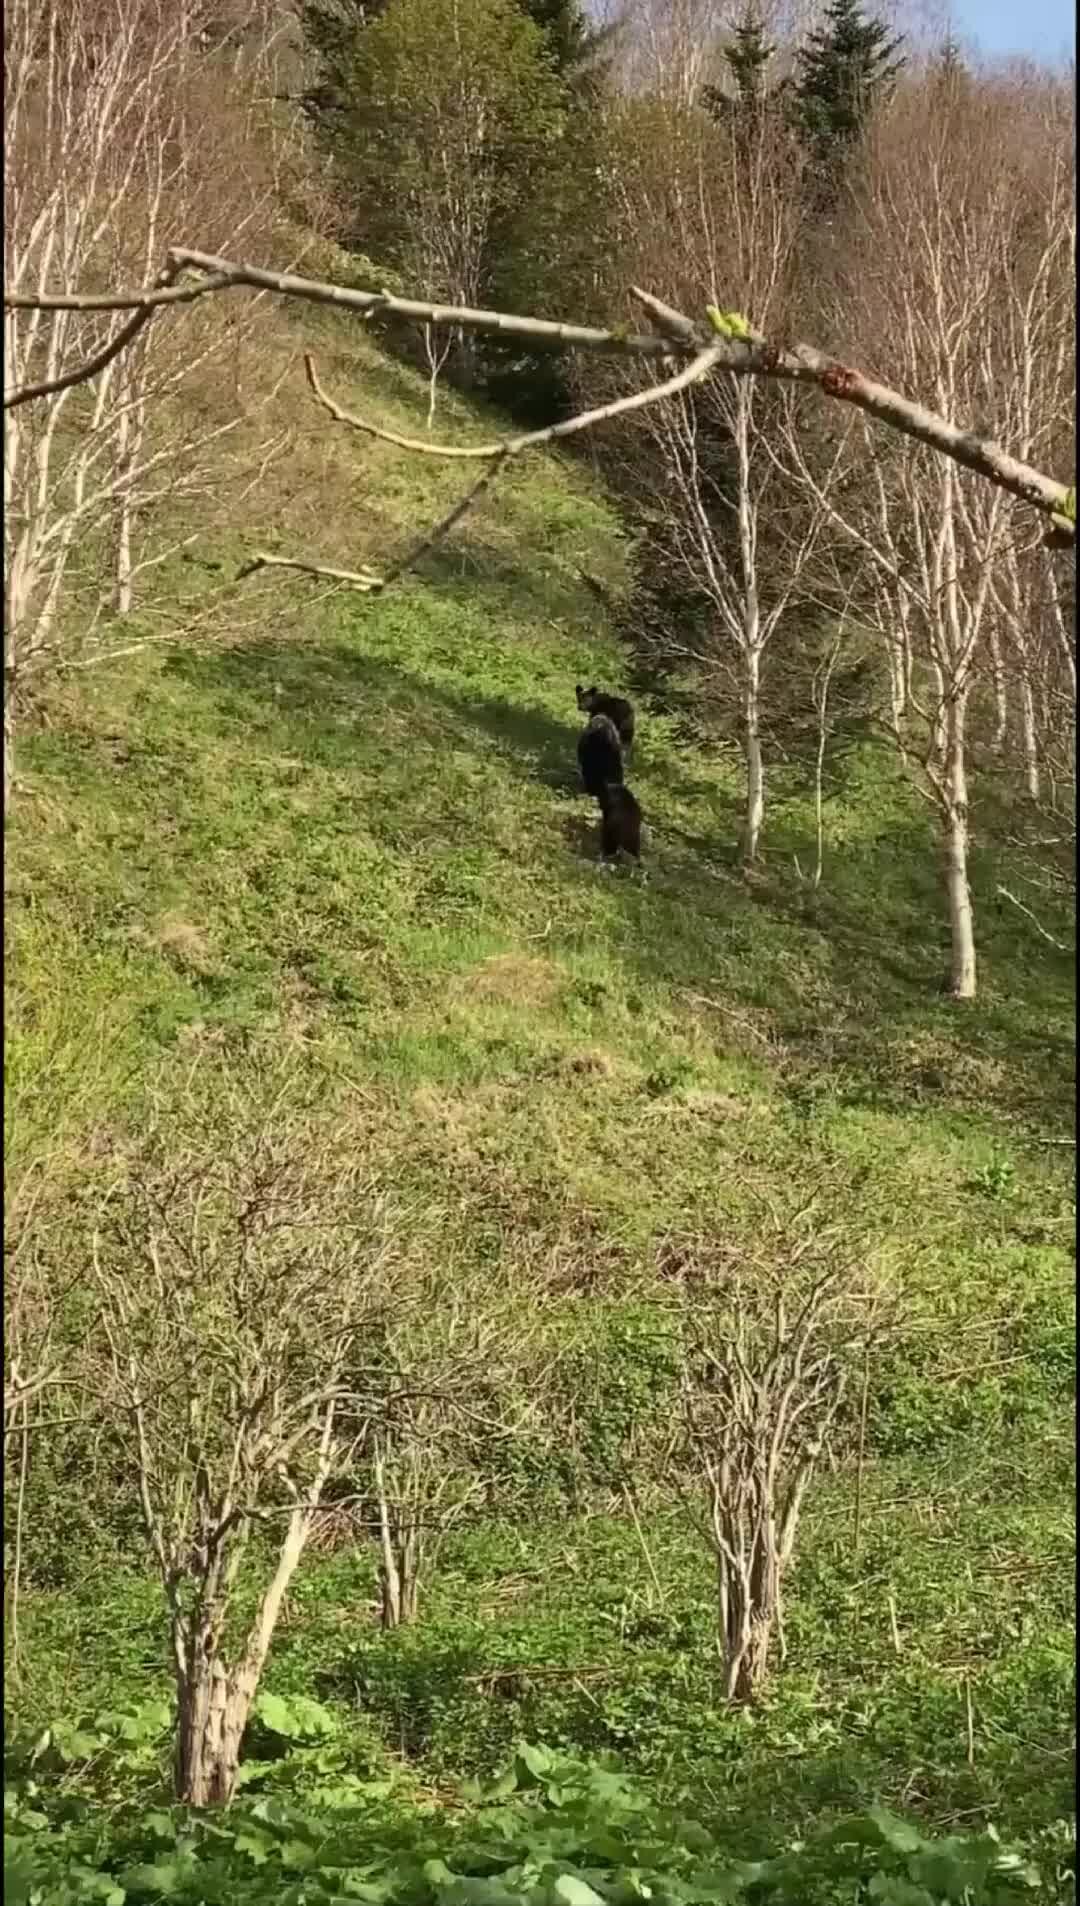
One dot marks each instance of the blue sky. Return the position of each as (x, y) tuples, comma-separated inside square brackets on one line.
[(1043, 29)]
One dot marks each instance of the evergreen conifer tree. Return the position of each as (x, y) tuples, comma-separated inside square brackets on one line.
[(948, 71), (574, 45), (748, 56), (950, 60), (330, 30), (846, 66)]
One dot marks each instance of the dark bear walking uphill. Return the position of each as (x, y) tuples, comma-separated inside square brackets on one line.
[(599, 756), (621, 822), (615, 707)]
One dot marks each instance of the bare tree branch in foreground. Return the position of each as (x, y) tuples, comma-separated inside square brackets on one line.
[(737, 348), (496, 454)]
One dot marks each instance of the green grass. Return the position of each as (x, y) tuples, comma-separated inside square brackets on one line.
[(351, 836)]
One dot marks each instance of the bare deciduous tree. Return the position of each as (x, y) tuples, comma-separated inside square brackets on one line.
[(233, 1288), (819, 695), (218, 92), (453, 1350), (1035, 348), (766, 1347), (971, 228), (716, 206), (669, 49), (101, 159)]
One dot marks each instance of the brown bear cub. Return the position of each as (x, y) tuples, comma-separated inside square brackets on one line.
[(621, 822)]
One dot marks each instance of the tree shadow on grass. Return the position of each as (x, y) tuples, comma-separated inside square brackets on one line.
[(758, 1798), (528, 584), (313, 688), (582, 836), (316, 691), (847, 981)]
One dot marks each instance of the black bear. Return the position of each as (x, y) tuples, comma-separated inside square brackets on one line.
[(592, 702), (599, 755), (621, 823)]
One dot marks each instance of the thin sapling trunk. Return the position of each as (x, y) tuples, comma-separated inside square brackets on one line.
[(958, 888)]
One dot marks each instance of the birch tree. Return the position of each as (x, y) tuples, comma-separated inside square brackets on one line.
[(670, 48), (947, 280), (219, 91), (714, 204), (1032, 657), (101, 155)]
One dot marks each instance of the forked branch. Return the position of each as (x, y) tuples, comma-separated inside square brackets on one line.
[(746, 354), (495, 455)]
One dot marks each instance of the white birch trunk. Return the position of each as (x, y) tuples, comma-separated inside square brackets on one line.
[(1066, 648), (898, 682), (1032, 778), (755, 767), (751, 637), (122, 593), (399, 1567), (1001, 698), (9, 751), (961, 922)]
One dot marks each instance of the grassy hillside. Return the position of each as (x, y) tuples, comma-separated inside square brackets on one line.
[(344, 835)]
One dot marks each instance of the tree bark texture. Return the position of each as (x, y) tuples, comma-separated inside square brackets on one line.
[(755, 767), (748, 1606), (213, 1708), (214, 1700), (961, 923), (399, 1563)]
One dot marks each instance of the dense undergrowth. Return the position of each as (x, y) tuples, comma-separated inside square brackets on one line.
[(351, 835)]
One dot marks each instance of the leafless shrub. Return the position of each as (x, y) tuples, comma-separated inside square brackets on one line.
[(234, 1277), (766, 1350), (45, 1364), (462, 1374)]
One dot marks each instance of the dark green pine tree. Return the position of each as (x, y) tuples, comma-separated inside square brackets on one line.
[(535, 259), (331, 31), (576, 47), (748, 56), (748, 86), (847, 65)]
